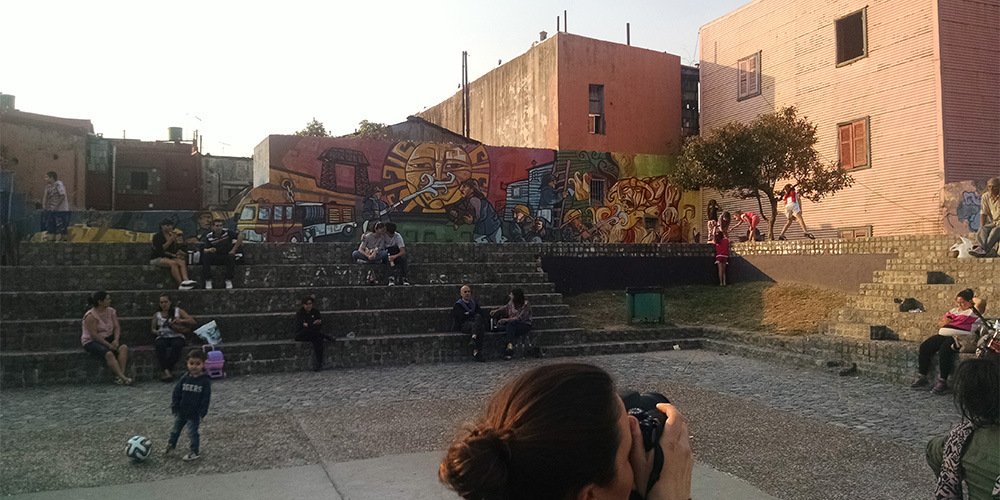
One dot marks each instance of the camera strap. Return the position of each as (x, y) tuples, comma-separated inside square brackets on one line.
[(654, 475)]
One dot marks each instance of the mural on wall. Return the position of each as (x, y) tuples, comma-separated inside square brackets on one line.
[(93, 226), (960, 206), (332, 189)]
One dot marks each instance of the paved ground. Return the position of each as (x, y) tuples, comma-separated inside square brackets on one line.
[(793, 433)]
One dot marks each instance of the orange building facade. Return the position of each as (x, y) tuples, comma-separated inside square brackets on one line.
[(573, 92), (904, 94)]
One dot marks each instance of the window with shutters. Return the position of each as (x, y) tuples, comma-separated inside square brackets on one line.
[(749, 77), (852, 37), (596, 119), (852, 144)]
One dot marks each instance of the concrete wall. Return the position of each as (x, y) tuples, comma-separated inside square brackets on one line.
[(970, 88), (220, 176), (33, 150), (513, 105), (896, 86), (642, 96), (174, 176)]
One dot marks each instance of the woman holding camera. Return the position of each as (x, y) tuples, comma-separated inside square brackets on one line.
[(561, 432), (170, 324)]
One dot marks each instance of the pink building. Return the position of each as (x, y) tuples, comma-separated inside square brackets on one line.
[(574, 92), (905, 94)]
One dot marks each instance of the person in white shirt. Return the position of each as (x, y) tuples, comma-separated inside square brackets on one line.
[(397, 255), (989, 221)]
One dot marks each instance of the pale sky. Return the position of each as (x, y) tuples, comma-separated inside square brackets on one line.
[(239, 71)]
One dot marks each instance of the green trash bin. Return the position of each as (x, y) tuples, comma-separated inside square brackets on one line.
[(644, 304)]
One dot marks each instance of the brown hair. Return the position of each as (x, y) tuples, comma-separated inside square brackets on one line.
[(545, 435)]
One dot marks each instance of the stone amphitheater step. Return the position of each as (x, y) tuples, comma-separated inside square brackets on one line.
[(89, 278), (935, 298), (40, 335), (942, 264), (112, 254), (48, 305), (620, 347), (31, 368), (924, 277)]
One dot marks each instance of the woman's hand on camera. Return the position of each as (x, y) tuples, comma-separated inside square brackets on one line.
[(678, 462)]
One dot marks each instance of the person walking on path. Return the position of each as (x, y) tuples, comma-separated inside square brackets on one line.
[(988, 235), (170, 324), (189, 404), (102, 335), (55, 206), (793, 211)]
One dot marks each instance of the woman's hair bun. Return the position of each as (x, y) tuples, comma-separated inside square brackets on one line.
[(478, 466)]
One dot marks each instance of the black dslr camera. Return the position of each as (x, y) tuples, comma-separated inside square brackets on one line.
[(651, 421)]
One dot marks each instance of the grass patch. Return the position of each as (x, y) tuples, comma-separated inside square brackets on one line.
[(784, 308)]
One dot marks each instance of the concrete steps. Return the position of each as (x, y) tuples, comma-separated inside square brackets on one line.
[(90, 278), (48, 305)]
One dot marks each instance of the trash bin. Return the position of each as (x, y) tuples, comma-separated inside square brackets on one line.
[(644, 304)]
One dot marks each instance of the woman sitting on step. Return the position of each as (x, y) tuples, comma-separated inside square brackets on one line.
[(170, 324), (515, 318), (956, 322), (102, 333)]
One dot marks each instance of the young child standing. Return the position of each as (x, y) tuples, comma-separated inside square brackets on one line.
[(190, 404), (721, 256)]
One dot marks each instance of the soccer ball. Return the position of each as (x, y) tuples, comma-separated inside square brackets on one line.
[(138, 448)]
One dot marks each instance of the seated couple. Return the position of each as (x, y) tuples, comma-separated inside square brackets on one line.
[(383, 244), (514, 318)]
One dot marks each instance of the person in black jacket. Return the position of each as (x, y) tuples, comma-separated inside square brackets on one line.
[(468, 317), (191, 397), (309, 328)]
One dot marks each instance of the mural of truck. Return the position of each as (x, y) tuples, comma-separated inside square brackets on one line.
[(309, 222)]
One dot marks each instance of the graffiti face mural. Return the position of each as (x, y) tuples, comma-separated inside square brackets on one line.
[(427, 175)]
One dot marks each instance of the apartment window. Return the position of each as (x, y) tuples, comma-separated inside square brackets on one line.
[(853, 144), (139, 181), (596, 120), (749, 77), (852, 37), (851, 233)]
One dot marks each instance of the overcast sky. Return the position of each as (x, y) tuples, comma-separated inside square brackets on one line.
[(238, 71)]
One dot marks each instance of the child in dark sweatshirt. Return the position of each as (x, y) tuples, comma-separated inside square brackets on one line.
[(190, 404)]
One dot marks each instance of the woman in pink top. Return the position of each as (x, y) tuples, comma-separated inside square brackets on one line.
[(751, 219), (957, 321), (793, 211), (721, 256), (101, 334)]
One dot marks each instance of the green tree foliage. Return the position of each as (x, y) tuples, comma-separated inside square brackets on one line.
[(756, 159), (372, 130), (314, 129)]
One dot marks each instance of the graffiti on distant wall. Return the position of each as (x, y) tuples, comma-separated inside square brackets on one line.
[(93, 226), (961, 204), (332, 189)]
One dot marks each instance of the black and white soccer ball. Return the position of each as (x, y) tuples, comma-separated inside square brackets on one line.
[(138, 448)]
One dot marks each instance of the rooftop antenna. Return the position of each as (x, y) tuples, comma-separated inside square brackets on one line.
[(565, 22), (628, 34)]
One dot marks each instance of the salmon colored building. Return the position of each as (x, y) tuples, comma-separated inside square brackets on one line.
[(904, 93), (573, 92)]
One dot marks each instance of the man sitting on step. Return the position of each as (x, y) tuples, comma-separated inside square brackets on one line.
[(396, 250), (220, 248), (989, 221), (468, 317)]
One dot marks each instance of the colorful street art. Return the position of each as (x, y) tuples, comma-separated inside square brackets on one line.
[(332, 189), (960, 206), (130, 227)]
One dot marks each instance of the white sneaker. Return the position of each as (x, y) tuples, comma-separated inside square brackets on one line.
[(189, 282), (184, 287), (392, 281), (208, 285), (229, 284)]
